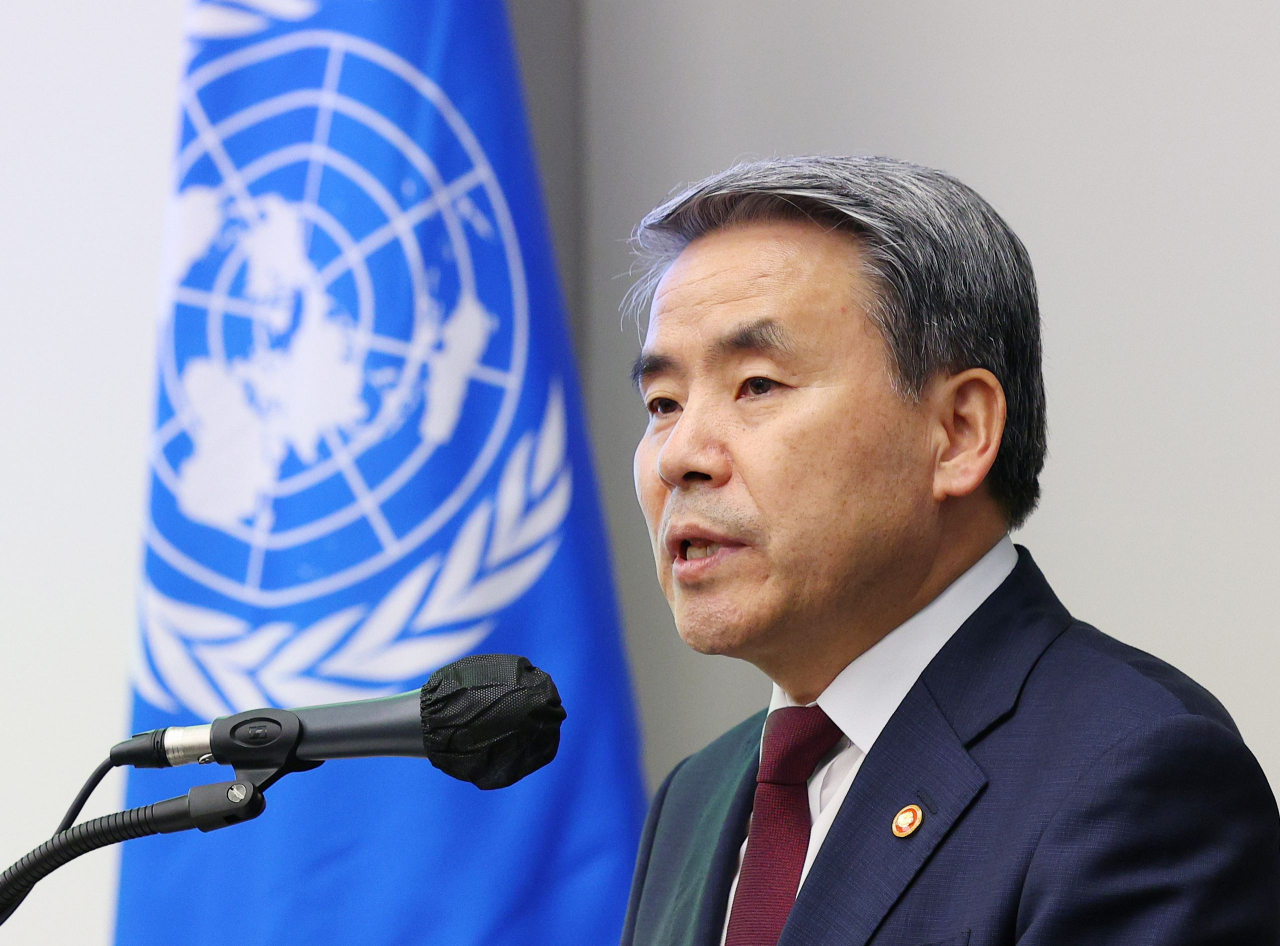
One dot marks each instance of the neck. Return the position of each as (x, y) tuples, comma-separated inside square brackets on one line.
[(912, 582)]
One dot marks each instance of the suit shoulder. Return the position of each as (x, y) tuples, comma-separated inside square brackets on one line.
[(1133, 689)]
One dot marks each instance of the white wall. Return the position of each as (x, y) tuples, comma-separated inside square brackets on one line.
[(1134, 146), (87, 119)]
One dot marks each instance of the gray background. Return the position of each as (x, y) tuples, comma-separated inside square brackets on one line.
[(1132, 145)]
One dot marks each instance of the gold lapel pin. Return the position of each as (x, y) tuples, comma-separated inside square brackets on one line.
[(907, 820)]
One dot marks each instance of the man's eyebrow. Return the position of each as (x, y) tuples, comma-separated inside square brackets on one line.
[(764, 335), (647, 364)]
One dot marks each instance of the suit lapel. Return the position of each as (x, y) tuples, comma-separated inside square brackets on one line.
[(922, 758), (721, 802), (918, 760), (713, 906)]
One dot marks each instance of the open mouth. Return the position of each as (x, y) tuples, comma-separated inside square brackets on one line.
[(695, 549)]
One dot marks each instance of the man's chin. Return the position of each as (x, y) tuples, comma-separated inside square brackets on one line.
[(717, 638)]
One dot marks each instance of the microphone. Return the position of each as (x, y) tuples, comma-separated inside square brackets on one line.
[(488, 719)]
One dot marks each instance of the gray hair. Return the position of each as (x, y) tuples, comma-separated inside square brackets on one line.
[(953, 284)]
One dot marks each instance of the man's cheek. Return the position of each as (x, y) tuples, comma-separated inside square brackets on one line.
[(639, 466), (649, 494)]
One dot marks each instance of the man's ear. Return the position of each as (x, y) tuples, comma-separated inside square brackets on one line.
[(968, 412)]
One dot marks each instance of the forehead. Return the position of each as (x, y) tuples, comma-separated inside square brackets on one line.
[(797, 274)]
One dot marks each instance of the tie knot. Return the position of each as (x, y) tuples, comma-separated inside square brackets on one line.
[(795, 738)]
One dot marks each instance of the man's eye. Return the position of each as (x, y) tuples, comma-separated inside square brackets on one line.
[(661, 405), (758, 386)]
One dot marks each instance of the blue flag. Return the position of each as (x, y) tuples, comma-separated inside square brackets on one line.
[(369, 460)]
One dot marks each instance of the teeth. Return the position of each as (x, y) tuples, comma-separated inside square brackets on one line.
[(696, 552)]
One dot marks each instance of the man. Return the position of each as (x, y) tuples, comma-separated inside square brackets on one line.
[(846, 418)]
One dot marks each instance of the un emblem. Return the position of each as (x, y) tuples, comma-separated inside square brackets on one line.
[(340, 371)]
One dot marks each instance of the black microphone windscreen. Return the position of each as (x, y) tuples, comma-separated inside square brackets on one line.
[(490, 719)]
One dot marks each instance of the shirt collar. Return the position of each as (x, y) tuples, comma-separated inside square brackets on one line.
[(866, 693)]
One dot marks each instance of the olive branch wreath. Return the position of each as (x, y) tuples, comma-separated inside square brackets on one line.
[(213, 663)]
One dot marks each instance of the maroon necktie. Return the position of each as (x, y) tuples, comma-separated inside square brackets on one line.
[(795, 739)]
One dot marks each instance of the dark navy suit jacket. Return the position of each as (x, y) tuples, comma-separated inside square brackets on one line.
[(1075, 791)]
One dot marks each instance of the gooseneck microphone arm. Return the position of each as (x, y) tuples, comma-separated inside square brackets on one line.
[(206, 807), (487, 719)]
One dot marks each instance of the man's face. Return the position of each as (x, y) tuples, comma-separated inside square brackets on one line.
[(784, 482)]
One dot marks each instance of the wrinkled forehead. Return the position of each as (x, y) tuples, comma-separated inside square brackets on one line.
[(806, 280), (743, 255)]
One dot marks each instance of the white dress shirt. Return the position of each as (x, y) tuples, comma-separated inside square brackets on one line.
[(868, 691)]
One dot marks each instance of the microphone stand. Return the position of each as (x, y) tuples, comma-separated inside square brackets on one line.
[(487, 719), (204, 807)]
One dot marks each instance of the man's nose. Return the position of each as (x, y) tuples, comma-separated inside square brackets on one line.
[(695, 451)]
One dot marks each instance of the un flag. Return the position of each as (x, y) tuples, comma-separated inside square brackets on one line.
[(368, 461)]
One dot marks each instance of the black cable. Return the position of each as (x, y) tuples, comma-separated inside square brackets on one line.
[(76, 806)]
